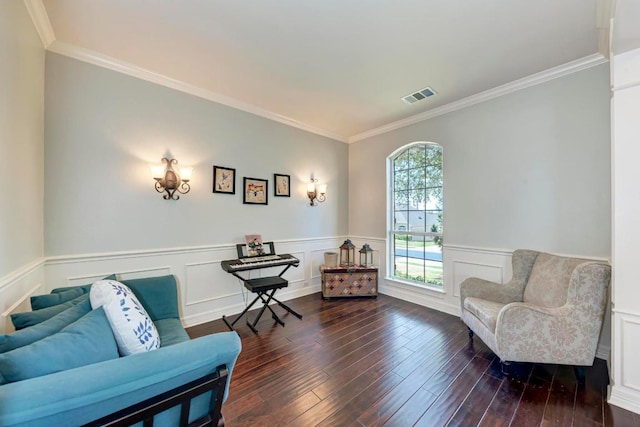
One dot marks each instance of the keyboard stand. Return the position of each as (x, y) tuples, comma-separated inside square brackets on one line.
[(261, 286)]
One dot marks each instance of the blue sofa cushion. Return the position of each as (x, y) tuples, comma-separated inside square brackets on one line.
[(30, 318), (158, 295), (171, 332), (87, 341), (44, 329), (48, 300)]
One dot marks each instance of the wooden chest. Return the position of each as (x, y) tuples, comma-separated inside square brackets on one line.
[(355, 281)]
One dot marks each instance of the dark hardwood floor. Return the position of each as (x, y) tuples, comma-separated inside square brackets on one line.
[(374, 362)]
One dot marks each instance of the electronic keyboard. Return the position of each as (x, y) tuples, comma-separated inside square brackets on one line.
[(253, 263)]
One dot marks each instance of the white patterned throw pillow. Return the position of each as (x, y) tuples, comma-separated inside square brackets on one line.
[(131, 325)]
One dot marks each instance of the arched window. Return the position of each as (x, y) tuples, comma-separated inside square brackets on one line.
[(415, 212)]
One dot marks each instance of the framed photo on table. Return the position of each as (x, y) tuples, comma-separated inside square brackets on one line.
[(255, 191), (224, 180), (281, 185)]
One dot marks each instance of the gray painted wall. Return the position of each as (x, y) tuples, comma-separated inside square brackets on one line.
[(530, 169), (104, 128), (21, 138)]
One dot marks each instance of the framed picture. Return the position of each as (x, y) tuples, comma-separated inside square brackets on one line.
[(255, 191), (281, 185), (224, 180)]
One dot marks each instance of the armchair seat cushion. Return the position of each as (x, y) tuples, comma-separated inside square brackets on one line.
[(486, 311)]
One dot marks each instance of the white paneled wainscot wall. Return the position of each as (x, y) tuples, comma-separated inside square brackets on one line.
[(206, 292)]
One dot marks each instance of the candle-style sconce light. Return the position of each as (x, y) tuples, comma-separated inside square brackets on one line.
[(316, 192), (169, 180)]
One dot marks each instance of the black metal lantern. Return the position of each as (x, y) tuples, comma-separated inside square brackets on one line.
[(347, 254), (366, 256)]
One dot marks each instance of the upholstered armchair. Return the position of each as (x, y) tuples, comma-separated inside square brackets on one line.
[(551, 311)]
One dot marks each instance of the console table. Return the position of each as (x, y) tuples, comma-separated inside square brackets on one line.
[(339, 282)]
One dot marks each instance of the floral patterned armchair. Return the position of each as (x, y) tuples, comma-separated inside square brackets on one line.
[(551, 311)]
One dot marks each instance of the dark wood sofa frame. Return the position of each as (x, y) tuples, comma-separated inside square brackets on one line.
[(146, 410)]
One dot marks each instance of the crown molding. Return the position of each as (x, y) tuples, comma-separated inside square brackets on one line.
[(41, 21), (516, 85), (95, 58)]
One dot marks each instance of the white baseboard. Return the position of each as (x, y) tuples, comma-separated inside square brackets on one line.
[(625, 398), (231, 310), (419, 297)]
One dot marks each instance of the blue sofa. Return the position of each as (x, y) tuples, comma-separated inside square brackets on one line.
[(81, 395)]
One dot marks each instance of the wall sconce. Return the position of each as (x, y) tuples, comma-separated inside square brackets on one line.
[(168, 180), (316, 192)]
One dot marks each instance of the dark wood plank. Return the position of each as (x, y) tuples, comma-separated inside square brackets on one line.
[(372, 362), (562, 395), (448, 402), (504, 404), (473, 408)]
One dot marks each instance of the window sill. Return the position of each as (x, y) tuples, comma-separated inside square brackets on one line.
[(425, 287)]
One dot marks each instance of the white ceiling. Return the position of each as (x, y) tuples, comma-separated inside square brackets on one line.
[(339, 66)]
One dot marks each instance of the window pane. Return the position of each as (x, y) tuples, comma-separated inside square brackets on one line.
[(417, 198), (418, 259), (416, 178), (400, 258), (416, 156), (401, 200), (434, 197), (417, 221), (433, 264), (434, 221), (401, 162), (401, 222), (401, 180)]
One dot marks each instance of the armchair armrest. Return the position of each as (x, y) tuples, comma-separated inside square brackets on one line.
[(588, 288), (529, 333), (492, 291), (561, 335), (511, 291)]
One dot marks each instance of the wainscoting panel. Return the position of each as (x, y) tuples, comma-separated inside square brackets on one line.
[(462, 262), (206, 281), (317, 259), (16, 288), (463, 270), (625, 388)]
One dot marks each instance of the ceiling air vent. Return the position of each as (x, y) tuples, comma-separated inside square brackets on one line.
[(419, 95)]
